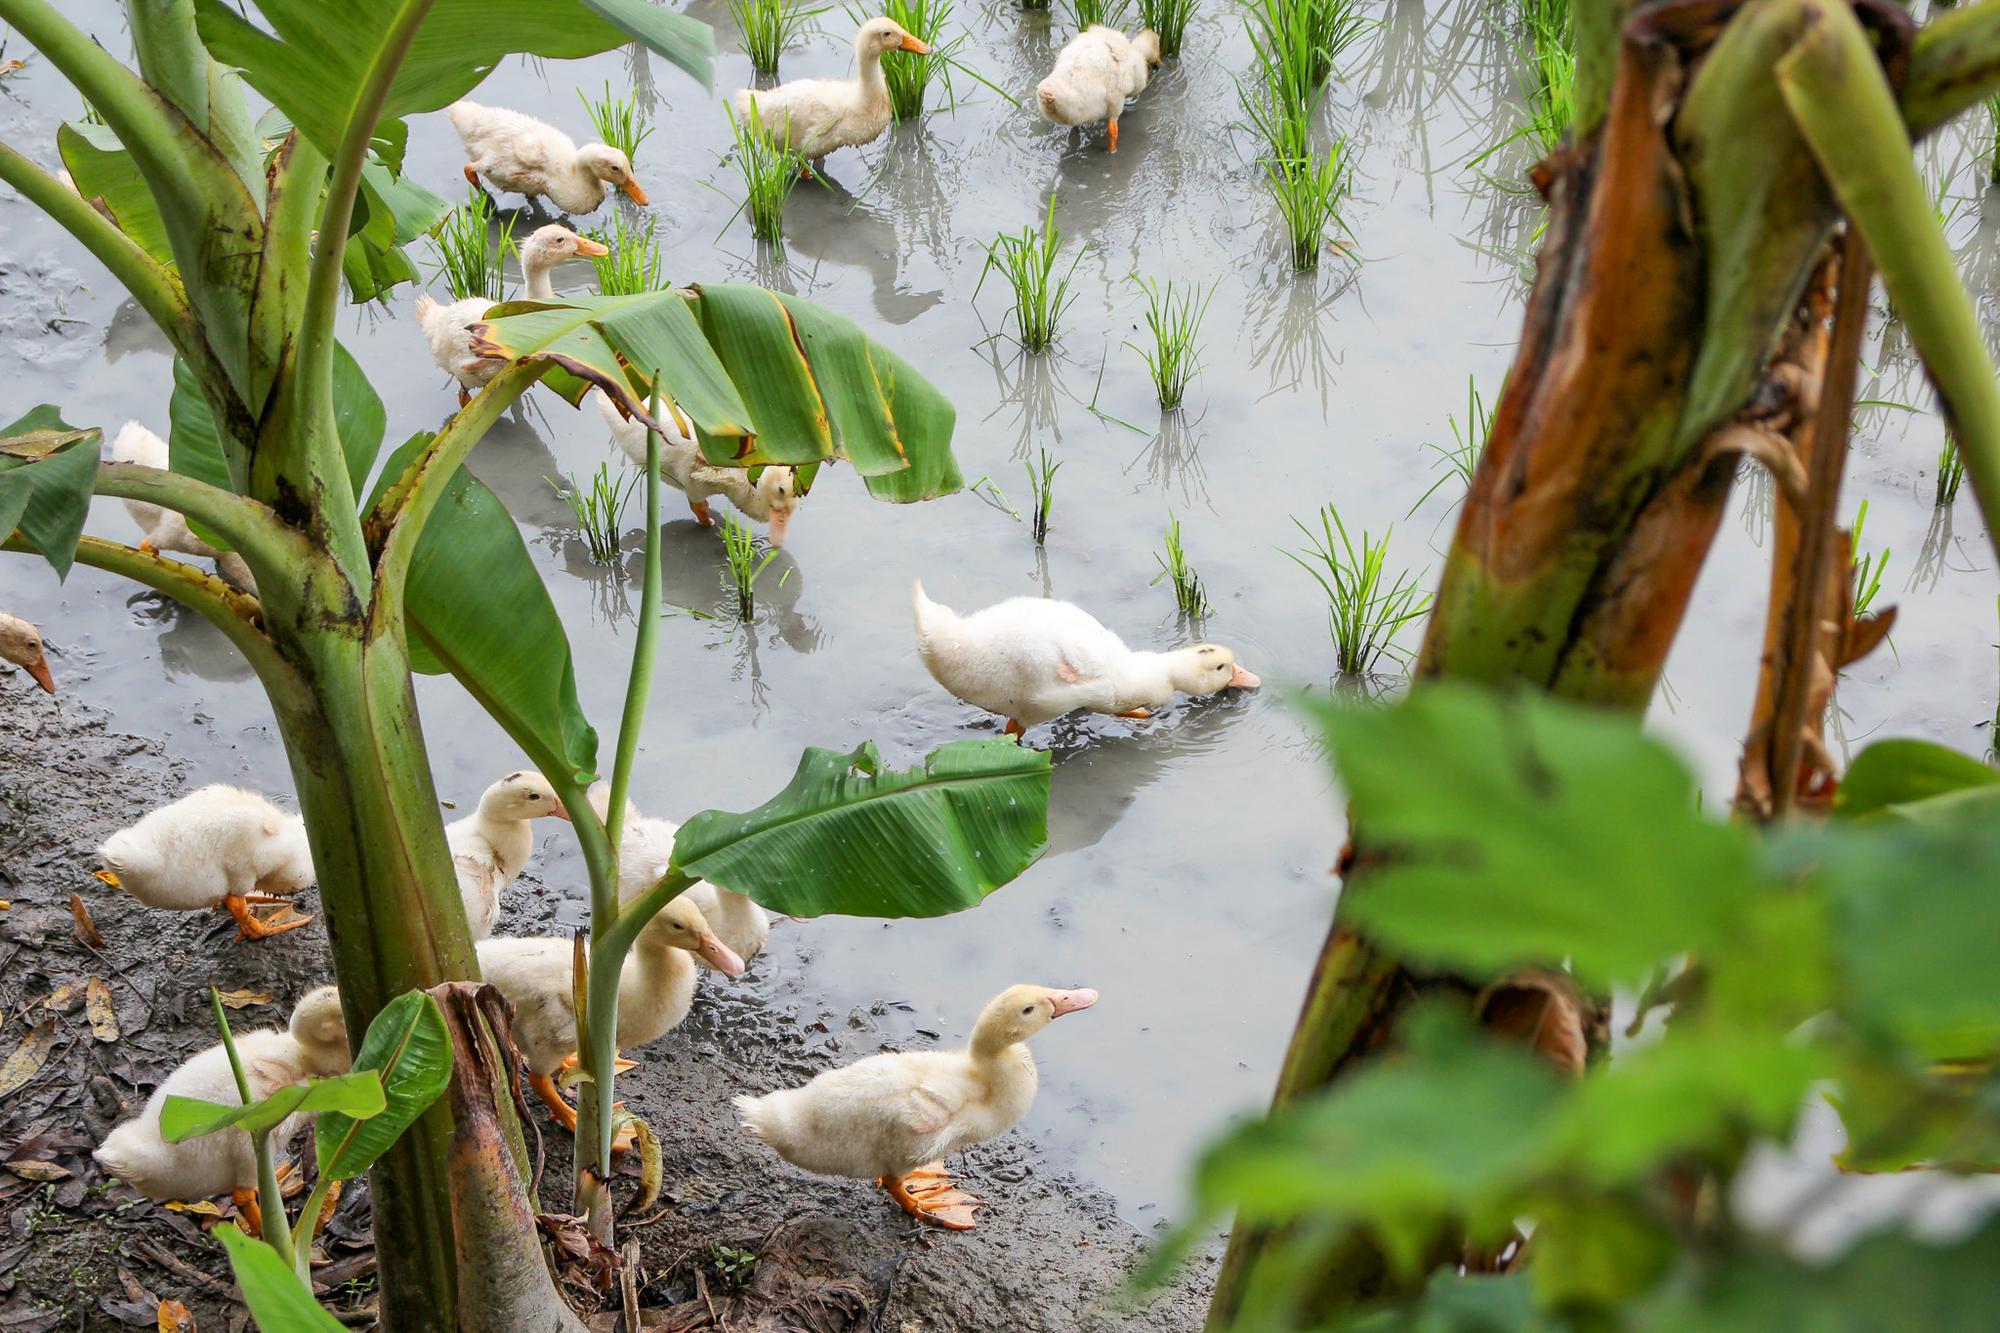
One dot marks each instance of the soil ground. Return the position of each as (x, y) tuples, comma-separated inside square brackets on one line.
[(80, 1252)]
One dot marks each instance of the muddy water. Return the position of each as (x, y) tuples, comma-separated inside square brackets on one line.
[(1188, 874)]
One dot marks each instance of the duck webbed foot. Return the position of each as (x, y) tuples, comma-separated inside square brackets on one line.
[(255, 927), (928, 1195), (1136, 714), (565, 1115), (1014, 729)]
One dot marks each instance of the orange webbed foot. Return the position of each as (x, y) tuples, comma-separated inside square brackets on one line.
[(254, 927), (928, 1194)]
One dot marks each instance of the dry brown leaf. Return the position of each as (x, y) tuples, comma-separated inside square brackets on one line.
[(243, 999), (28, 1058), (97, 1007), (201, 1207), (33, 1170), (86, 929), (63, 998), (174, 1318)]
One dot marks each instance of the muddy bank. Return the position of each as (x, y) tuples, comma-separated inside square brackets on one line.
[(80, 1252)]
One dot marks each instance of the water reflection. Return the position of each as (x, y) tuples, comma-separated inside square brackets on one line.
[(1172, 457), (1941, 550), (188, 644), (1288, 322), (1029, 387), (828, 222)]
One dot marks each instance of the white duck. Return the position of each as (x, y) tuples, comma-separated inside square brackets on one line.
[(1031, 659), (895, 1116), (21, 644), (646, 851), (530, 157), (817, 116), (164, 529), (447, 327), (490, 845), (773, 498), (654, 991), (217, 847), (1094, 75), (314, 1046)]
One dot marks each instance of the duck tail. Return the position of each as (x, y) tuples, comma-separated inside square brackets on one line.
[(759, 1116), (930, 616), (1050, 102), (425, 304)]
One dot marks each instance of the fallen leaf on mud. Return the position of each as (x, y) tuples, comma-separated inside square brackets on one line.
[(86, 929), (33, 1170), (202, 1206), (28, 1058), (64, 997), (97, 1007), (243, 999), (174, 1318)]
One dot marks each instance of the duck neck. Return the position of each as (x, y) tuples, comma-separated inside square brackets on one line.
[(512, 841), (537, 270), (1142, 680), (873, 85)]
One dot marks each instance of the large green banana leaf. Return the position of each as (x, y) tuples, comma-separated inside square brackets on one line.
[(764, 377), (406, 1045), (356, 1094), (195, 450), (47, 468), (100, 168), (390, 212), (276, 1298), (847, 837), (317, 56), (477, 609)]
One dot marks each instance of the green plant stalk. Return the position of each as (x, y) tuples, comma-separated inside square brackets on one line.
[(1841, 100), (270, 1198), (308, 1229)]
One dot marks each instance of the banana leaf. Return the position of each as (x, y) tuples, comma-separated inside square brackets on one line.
[(47, 468)]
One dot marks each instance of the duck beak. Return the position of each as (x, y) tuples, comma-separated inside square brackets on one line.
[(780, 520), (560, 811), (719, 955), (39, 669), (109, 877), (590, 249), (915, 46), (1069, 1001), (1243, 680), (631, 187)]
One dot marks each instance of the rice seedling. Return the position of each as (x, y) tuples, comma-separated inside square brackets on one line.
[(909, 75), (770, 171), (1461, 456), (619, 121), (744, 561), (1364, 613), (1083, 13), (1170, 19), (1173, 317), (633, 265), (1280, 114), (600, 510), (1302, 39), (463, 252), (1311, 196), (768, 27), (989, 490), (1950, 470), (1042, 489), (1993, 123), (1028, 263), (1867, 568), (1189, 595)]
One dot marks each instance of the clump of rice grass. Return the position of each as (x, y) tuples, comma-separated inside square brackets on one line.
[(1168, 18), (1189, 595), (768, 28), (1468, 440), (633, 266), (1364, 613), (1042, 489), (600, 510), (744, 561), (1993, 123), (463, 252), (1301, 40), (1028, 263), (1083, 13), (1280, 114), (1950, 470), (1173, 317), (1868, 567), (1312, 196), (770, 170), (910, 75), (619, 121)]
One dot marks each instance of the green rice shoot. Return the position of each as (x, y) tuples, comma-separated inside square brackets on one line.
[(1468, 440), (745, 559), (1868, 567), (619, 121), (464, 254), (1364, 613), (1173, 318), (770, 171), (1084, 13), (1028, 263), (633, 267), (1950, 470), (769, 27), (1993, 127), (1042, 489), (1170, 19), (908, 74), (1189, 595), (600, 510), (1312, 197)]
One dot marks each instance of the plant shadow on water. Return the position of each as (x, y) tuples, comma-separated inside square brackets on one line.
[(695, 574), (1029, 390), (188, 645), (1172, 457), (828, 223), (1288, 322)]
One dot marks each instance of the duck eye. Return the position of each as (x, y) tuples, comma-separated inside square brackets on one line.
[(1029, 1010)]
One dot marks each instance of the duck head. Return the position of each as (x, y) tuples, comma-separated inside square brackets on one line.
[(553, 244), (879, 36), (21, 644), (522, 795), (778, 487), (1208, 668), (321, 1030), (1019, 1012), (612, 167), (681, 925), (1147, 44)]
